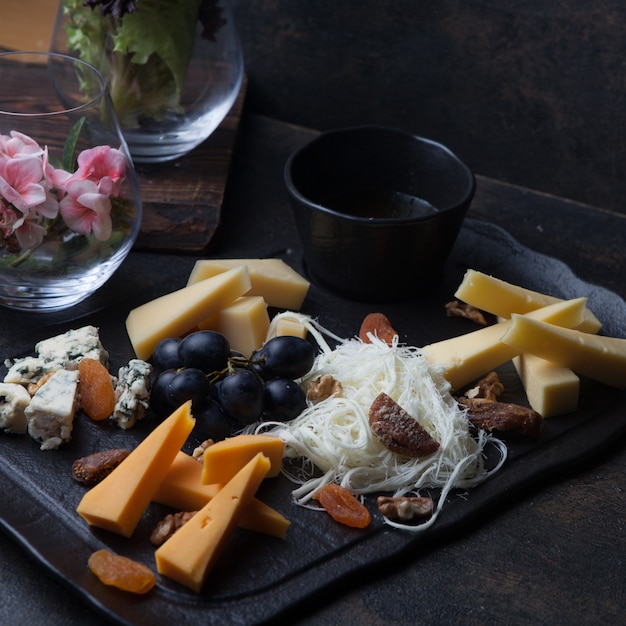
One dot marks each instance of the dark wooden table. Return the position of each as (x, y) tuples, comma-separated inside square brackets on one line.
[(556, 555)]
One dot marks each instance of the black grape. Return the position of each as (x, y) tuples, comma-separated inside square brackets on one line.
[(165, 355), (188, 384), (241, 396), (283, 400), (211, 422), (284, 357), (205, 350), (159, 402)]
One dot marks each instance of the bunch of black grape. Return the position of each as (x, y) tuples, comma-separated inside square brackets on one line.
[(227, 390)]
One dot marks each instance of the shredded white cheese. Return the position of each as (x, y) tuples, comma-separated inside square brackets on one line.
[(334, 435)]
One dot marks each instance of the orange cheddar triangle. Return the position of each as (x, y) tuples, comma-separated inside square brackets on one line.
[(118, 502), (188, 555), (182, 489), (224, 459)]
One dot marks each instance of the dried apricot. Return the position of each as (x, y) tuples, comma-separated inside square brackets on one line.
[(96, 389), (377, 324), (342, 506), (121, 572)]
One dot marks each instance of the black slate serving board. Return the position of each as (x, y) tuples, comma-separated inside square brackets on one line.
[(260, 578)]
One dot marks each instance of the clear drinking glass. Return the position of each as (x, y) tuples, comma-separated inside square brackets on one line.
[(70, 207), (174, 69)]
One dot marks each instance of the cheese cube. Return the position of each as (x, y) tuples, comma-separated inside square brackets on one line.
[(222, 460), (551, 390), (244, 323), (188, 555), (272, 279), (50, 414), (182, 489), (132, 393), (286, 325), (13, 401), (501, 298), (470, 356), (72, 346), (30, 369), (118, 502), (179, 312), (64, 351), (600, 358)]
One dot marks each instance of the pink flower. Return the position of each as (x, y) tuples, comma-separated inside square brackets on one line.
[(103, 165), (33, 190), (18, 145), (29, 231), (84, 209), (56, 178), (20, 185)]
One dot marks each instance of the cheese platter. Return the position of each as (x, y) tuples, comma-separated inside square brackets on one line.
[(38, 504)]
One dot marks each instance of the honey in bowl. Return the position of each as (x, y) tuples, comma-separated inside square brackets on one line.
[(377, 211), (377, 204)]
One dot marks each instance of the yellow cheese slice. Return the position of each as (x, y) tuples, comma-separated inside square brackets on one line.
[(470, 356), (118, 502), (501, 298), (188, 555), (551, 389), (599, 358), (244, 323), (176, 313), (182, 489), (224, 459), (272, 279)]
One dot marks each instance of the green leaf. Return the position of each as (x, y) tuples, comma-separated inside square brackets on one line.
[(71, 145), (152, 47)]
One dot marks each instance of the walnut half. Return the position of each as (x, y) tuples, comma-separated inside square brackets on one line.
[(324, 387), (169, 525), (489, 388), (404, 508), (461, 309)]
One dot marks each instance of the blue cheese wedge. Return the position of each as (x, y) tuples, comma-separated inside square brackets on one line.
[(29, 370), (50, 414), (13, 401), (63, 351), (132, 393), (72, 346)]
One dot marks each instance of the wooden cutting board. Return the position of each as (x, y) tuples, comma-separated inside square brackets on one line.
[(182, 199)]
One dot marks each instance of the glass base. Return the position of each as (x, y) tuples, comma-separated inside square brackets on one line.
[(167, 142), (23, 292)]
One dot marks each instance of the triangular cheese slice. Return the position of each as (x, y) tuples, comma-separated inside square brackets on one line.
[(188, 555), (118, 502), (179, 312), (597, 357), (470, 356), (182, 489)]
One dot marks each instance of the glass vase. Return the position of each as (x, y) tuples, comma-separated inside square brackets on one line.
[(174, 69), (70, 207)]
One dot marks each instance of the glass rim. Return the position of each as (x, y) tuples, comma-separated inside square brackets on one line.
[(102, 93)]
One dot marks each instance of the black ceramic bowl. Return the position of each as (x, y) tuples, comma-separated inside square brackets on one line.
[(377, 210)]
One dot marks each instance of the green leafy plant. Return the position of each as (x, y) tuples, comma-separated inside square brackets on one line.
[(143, 47)]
